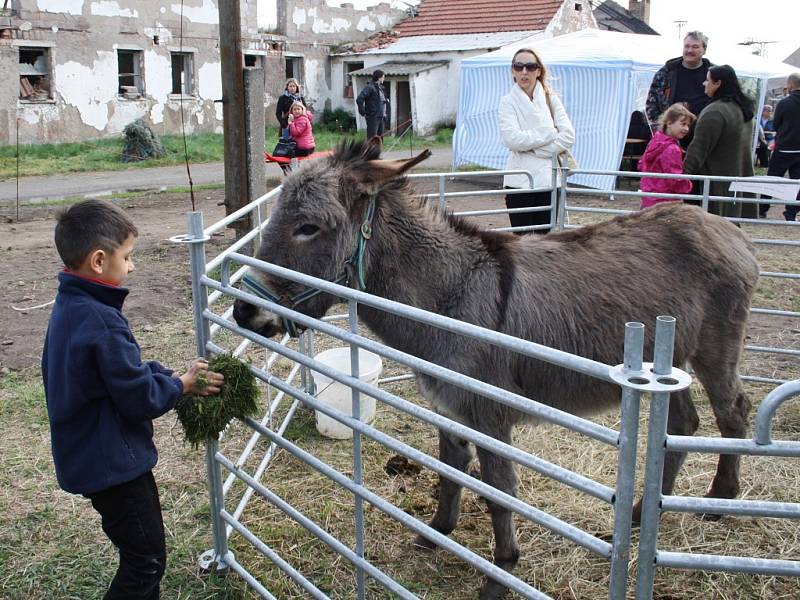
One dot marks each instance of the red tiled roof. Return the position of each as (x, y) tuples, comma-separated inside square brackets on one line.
[(446, 17)]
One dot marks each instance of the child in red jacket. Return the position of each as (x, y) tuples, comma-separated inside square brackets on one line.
[(300, 129), (664, 155)]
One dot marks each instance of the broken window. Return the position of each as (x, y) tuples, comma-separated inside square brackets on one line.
[(294, 67), (349, 67), (34, 74), (129, 68), (182, 73)]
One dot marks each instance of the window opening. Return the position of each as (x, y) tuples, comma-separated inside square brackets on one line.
[(349, 67), (34, 74), (129, 68), (182, 73)]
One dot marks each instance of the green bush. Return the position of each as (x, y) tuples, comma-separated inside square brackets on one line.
[(338, 120)]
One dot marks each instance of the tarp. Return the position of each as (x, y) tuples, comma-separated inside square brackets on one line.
[(601, 77)]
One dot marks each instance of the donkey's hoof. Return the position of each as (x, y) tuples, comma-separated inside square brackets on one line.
[(492, 590), (424, 543)]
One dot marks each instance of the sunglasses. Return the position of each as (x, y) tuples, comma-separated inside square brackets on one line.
[(531, 66)]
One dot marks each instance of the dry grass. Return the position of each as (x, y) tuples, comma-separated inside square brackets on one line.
[(554, 565), (77, 561)]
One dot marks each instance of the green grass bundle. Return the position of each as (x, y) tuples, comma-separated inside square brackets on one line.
[(204, 417)]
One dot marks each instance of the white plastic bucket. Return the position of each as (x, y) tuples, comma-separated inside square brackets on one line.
[(338, 396)]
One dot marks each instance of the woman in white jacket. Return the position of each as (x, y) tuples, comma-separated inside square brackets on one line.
[(535, 127)]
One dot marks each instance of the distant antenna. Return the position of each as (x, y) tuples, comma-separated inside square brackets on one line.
[(681, 25), (761, 49)]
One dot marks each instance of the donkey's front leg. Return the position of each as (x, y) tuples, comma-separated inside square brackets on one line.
[(499, 473), (457, 453)]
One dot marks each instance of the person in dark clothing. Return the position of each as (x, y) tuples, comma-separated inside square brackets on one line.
[(372, 103), (722, 141), (681, 80), (291, 94), (101, 398), (766, 133), (786, 152)]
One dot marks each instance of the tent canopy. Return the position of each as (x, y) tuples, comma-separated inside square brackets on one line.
[(601, 77)]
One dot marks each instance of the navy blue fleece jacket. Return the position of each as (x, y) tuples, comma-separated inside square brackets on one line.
[(101, 398)]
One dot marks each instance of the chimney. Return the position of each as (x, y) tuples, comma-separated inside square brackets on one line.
[(640, 9)]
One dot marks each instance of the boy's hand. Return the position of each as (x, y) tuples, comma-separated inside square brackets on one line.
[(200, 381)]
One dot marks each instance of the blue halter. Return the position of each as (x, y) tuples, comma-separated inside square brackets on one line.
[(356, 260)]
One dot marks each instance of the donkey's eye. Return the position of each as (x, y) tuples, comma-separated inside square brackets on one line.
[(306, 230)]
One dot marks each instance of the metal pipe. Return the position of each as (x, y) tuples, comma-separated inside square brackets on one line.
[(626, 465), (199, 304), (654, 463)]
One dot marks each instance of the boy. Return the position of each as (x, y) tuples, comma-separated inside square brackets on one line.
[(101, 398)]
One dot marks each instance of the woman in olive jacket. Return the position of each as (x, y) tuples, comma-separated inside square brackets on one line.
[(722, 139)]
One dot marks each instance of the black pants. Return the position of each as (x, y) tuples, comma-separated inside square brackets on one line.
[(375, 126), (779, 163), (304, 151), (528, 219), (131, 518), (762, 155)]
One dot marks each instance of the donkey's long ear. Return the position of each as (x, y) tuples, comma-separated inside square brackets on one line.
[(372, 172)]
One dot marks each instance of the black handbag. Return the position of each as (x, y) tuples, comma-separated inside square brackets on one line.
[(285, 148)]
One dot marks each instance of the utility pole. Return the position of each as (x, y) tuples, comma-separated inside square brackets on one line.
[(233, 109), (681, 25)]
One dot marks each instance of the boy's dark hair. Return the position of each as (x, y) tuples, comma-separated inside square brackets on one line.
[(377, 74), (90, 225)]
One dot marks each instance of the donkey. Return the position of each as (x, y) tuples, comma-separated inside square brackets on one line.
[(569, 290)]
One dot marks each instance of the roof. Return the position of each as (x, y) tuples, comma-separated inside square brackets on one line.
[(399, 68), (444, 17), (613, 17), (449, 43)]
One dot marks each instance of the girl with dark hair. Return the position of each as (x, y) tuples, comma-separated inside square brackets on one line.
[(722, 139)]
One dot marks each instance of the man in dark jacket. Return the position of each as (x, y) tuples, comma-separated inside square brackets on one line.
[(372, 104), (681, 80), (786, 154)]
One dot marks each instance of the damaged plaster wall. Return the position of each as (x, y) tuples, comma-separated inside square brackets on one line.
[(314, 30), (574, 15), (82, 40)]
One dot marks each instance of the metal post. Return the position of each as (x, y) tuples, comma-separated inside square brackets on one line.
[(442, 200), (706, 192), (357, 467), (654, 465), (626, 465), (554, 192), (203, 335)]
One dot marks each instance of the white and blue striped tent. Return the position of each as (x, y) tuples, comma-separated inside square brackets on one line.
[(601, 77)]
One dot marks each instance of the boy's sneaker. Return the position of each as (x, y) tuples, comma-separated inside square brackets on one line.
[(789, 217)]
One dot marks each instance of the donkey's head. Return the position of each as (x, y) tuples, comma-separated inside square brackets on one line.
[(320, 226)]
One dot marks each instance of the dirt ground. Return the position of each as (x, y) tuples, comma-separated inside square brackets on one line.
[(159, 286)]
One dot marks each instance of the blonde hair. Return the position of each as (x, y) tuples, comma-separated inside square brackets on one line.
[(542, 78), (298, 103), (295, 82), (676, 112)]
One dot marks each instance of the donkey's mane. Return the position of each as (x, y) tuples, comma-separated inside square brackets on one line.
[(349, 151)]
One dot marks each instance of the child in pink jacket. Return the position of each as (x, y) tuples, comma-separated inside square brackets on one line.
[(665, 155), (300, 129)]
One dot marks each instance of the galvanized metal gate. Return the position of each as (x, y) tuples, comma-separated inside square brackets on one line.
[(635, 378)]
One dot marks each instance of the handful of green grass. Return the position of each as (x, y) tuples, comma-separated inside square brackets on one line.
[(204, 417)]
